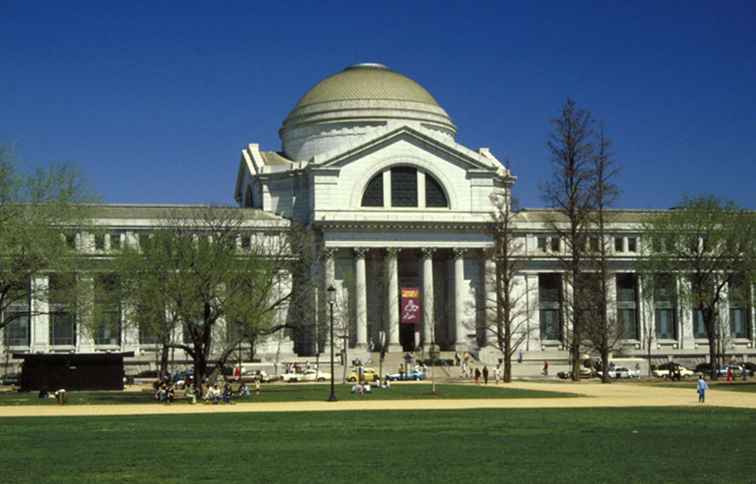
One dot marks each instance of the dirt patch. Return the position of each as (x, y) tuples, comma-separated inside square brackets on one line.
[(592, 395)]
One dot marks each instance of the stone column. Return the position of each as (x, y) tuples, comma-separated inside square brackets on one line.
[(428, 304), (360, 296), (40, 318), (392, 302), (85, 342), (460, 339), (328, 271), (489, 294)]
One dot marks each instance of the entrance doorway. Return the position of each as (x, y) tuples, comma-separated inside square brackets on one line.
[(407, 336)]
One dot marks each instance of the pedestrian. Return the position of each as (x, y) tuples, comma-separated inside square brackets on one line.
[(546, 368), (485, 375), (701, 389), (477, 376), (519, 356), (729, 374), (497, 373), (457, 359)]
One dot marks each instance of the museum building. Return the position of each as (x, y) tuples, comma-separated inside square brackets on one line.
[(400, 213)]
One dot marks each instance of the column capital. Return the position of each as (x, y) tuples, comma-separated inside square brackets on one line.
[(428, 252), (360, 252), (459, 252), (327, 253), (393, 251)]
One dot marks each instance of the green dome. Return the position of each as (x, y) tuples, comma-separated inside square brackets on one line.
[(366, 82)]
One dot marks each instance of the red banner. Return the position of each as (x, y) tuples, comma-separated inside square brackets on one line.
[(411, 308)]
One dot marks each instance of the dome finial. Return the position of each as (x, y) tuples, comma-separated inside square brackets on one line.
[(367, 65)]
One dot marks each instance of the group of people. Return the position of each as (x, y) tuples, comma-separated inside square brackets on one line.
[(165, 393)]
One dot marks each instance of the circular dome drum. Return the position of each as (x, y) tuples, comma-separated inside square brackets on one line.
[(350, 104)]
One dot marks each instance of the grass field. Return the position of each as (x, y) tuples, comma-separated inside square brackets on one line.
[(738, 386), (699, 444), (297, 392)]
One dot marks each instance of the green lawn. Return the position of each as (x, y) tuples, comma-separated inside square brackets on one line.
[(297, 392), (699, 444), (737, 386)]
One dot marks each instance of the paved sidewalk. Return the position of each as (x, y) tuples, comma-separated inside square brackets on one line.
[(592, 395)]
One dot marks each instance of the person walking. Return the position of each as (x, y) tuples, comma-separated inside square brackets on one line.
[(477, 376), (701, 389), (497, 373), (546, 368), (485, 375)]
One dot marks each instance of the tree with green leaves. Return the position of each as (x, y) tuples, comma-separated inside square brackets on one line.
[(40, 212), (210, 274), (708, 245)]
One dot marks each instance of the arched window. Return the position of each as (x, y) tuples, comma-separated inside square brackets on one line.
[(434, 194), (373, 196)]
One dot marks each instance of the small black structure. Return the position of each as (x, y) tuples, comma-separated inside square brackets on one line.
[(72, 371)]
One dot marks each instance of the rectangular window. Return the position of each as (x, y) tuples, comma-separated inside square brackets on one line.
[(63, 328), (555, 244), (115, 240), (738, 323), (739, 298), (665, 307), (70, 240), (18, 331), (542, 244), (62, 310), (594, 244), (627, 305), (699, 328), (99, 241), (550, 306), (632, 244), (107, 310), (148, 335), (619, 244)]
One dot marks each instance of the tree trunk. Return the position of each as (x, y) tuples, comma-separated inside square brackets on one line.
[(605, 364), (164, 362)]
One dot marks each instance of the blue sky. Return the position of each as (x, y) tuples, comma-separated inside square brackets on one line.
[(154, 100)]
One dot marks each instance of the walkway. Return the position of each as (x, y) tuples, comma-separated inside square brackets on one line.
[(592, 395)]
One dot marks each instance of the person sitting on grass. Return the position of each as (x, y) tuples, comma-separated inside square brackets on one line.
[(170, 394), (244, 391), (226, 393), (189, 393)]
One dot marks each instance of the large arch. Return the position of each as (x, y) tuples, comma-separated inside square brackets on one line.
[(443, 182)]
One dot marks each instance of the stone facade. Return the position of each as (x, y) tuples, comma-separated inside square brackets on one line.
[(370, 165)]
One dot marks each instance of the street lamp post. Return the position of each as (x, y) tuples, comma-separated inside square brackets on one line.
[(331, 301), (382, 341)]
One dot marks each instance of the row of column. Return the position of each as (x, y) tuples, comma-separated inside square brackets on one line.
[(392, 294)]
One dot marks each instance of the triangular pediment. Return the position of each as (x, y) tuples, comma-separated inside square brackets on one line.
[(460, 155)]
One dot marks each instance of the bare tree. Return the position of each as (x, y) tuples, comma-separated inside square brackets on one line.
[(602, 329), (570, 193), (507, 311)]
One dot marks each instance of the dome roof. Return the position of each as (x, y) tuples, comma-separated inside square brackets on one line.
[(352, 103), (367, 81)]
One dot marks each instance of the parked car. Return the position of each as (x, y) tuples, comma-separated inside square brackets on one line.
[(750, 366), (368, 374), (415, 374), (623, 372), (737, 370), (668, 370), (181, 378), (703, 369), (10, 379), (306, 375)]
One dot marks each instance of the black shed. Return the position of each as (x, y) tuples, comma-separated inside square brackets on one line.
[(72, 371)]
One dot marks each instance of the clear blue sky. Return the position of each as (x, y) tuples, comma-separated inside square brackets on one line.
[(154, 102)]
